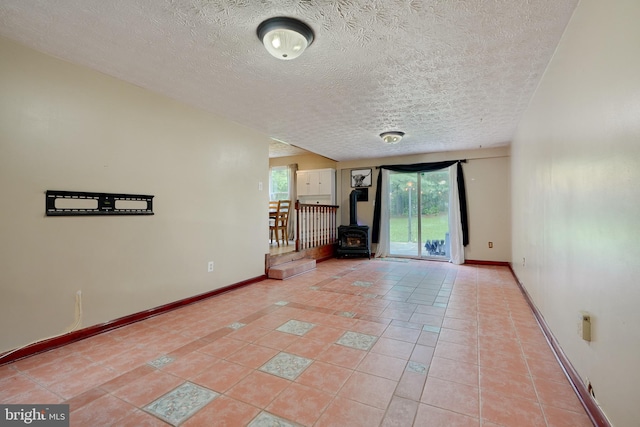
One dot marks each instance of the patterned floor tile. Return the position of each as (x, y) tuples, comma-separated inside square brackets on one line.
[(357, 340), (362, 284), (349, 314), (416, 367), (161, 361), (181, 403), (286, 366), (296, 327), (265, 419), (236, 325)]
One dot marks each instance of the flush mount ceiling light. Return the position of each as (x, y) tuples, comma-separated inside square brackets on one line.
[(285, 38), (392, 137)]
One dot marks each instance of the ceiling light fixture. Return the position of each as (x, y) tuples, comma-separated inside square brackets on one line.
[(285, 38), (392, 137)]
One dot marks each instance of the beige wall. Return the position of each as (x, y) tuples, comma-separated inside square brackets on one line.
[(576, 199), (64, 127), (487, 182), (304, 161)]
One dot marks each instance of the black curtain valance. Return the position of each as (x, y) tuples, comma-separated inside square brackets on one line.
[(422, 167)]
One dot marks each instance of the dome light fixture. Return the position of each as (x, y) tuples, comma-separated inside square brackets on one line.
[(285, 38), (392, 137)]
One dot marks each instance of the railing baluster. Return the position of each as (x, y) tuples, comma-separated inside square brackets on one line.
[(315, 225)]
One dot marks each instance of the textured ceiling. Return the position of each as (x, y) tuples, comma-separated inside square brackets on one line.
[(452, 74), (279, 149)]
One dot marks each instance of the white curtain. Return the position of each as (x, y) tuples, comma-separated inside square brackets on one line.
[(384, 244), (455, 226)]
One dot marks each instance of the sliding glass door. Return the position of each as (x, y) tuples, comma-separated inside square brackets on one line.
[(419, 214)]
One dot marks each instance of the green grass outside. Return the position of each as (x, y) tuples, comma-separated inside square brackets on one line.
[(434, 227)]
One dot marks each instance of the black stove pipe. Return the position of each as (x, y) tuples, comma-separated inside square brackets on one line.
[(353, 207)]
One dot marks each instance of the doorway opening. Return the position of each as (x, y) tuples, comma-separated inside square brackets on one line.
[(419, 214)]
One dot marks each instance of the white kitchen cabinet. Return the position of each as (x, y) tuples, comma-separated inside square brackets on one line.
[(317, 186)]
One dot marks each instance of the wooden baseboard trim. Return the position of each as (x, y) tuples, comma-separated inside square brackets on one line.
[(591, 407), (326, 258), (51, 343), (481, 262)]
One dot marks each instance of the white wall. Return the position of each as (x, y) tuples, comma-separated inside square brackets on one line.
[(488, 199), (576, 199), (487, 181), (64, 127)]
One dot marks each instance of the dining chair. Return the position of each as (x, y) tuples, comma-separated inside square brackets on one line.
[(279, 223), (274, 205), (273, 208)]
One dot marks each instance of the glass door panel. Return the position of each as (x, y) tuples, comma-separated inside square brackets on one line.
[(404, 225), (434, 218)]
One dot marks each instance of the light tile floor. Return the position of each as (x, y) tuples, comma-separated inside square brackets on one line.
[(275, 249), (352, 343)]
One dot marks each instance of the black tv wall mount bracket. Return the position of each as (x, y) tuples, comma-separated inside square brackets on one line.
[(79, 203)]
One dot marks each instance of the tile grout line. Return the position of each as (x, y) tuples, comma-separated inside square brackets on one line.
[(480, 418), (526, 361)]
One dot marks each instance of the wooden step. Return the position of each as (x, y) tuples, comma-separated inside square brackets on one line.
[(292, 268)]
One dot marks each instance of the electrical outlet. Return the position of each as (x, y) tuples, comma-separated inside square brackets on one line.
[(490, 245), (210, 266), (524, 261), (260, 186), (585, 326)]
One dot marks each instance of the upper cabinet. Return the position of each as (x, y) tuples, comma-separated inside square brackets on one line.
[(317, 186)]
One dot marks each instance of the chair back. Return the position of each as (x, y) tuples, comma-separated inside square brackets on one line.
[(284, 208), (274, 207)]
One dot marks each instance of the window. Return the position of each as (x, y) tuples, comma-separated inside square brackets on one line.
[(279, 183)]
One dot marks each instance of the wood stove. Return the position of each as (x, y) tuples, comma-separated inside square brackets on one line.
[(353, 239)]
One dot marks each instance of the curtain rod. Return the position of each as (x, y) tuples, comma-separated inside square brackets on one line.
[(461, 161)]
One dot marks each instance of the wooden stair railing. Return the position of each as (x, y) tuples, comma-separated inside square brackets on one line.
[(316, 225)]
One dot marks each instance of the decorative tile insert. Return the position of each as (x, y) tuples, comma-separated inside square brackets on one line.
[(416, 367), (428, 328), (439, 304), (236, 325), (357, 340), (265, 419), (296, 327), (346, 313), (181, 403), (362, 284), (286, 365), (161, 361), (282, 303)]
